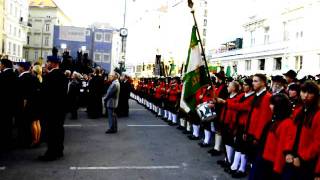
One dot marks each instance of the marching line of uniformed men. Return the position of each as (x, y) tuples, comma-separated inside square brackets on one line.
[(270, 132)]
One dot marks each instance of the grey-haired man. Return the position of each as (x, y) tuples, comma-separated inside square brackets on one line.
[(111, 101)]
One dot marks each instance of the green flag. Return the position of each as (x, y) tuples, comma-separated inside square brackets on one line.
[(228, 72), (194, 74)]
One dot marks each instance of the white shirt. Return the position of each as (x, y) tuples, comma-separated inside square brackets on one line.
[(261, 91), (53, 69), (25, 72), (232, 95), (6, 69), (248, 94)]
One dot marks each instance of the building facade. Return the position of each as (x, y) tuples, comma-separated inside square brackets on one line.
[(15, 27), (43, 16), (201, 7), (97, 42), (1, 26), (275, 43)]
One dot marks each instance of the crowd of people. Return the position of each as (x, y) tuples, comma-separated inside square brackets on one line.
[(264, 128), (36, 99)]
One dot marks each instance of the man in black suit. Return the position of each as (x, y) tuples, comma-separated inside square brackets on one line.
[(28, 89), (96, 91), (125, 90), (54, 92), (8, 103)]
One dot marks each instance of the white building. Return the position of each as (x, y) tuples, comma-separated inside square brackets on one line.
[(43, 15), (116, 49), (278, 41), (15, 28)]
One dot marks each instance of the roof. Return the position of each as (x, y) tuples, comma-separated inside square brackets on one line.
[(42, 3)]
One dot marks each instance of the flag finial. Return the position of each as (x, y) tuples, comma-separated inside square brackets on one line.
[(190, 4)]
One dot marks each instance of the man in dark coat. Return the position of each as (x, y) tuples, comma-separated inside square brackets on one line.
[(54, 110), (8, 103), (96, 91), (28, 87), (73, 94), (125, 89)]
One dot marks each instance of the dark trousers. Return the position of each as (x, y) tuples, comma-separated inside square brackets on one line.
[(55, 132), (95, 107), (263, 170), (305, 172), (6, 131), (24, 129)]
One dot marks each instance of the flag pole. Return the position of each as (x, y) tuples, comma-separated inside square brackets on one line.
[(190, 4)]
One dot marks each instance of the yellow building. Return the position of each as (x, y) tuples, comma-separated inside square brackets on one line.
[(43, 16), (1, 25)]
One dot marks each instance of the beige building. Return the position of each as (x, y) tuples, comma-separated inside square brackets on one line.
[(1, 25), (43, 15)]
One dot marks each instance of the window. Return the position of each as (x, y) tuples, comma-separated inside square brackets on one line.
[(15, 31), (45, 54), (47, 27), (97, 57), (11, 9), (18, 50), (14, 49), (299, 34), (252, 38), (285, 32), (107, 37), (266, 35), (205, 22), (87, 33), (204, 42), (205, 13), (28, 39), (139, 68), (16, 12), (36, 55), (106, 58), (26, 55), (98, 37), (10, 30), (204, 32), (277, 63), (9, 48), (261, 64), (46, 41), (19, 34), (248, 65), (298, 64)]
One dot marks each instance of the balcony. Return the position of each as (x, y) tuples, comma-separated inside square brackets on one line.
[(252, 52)]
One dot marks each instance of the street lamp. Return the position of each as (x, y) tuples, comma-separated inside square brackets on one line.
[(123, 34)]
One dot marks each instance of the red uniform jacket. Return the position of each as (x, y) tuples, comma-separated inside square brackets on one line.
[(242, 108), (259, 116), (158, 92), (279, 141), (207, 95), (173, 93), (221, 92), (229, 115), (308, 147)]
